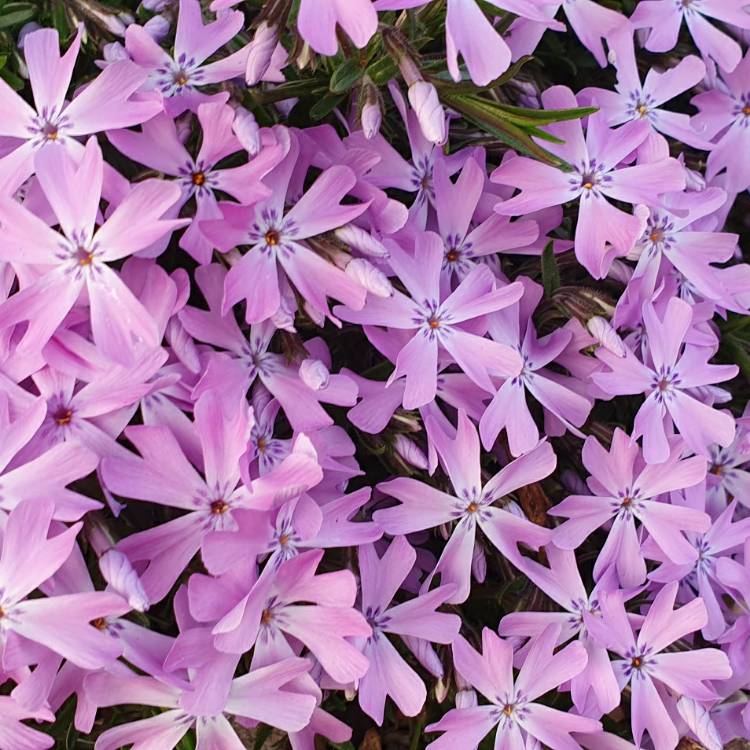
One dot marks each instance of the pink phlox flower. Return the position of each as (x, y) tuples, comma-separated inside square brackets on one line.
[(558, 394), (603, 231), (266, 694), (159, 146), (247, 358), (511, 706), (472, 505), (664, 18), (105, 103), (676, 368), (180, 76), (439, 321), (594, 690), (633, 100), (657, 676), (276, 240), (319, 20), (724, 113), (76, 258), (628, 490), (389, 674), (164, 474)]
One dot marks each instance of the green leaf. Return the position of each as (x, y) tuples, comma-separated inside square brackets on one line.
[(482, 113), (325, 106), (16, 13), (382, 70), (187, 742), (546, 116), (345, 76), (550, 271)]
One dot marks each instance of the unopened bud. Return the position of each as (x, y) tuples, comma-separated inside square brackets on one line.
[(260, 53), (157, 27), (602, 330), (424, 100), (314, 374), (114, 52), (361, 240), (371, 115), (246, 129), (410, 452), (369, 277), (118, 572)]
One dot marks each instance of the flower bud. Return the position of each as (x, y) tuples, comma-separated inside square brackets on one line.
[(157, 27), (314, 374), (118, 572), (423, 98), (114, 52), (601, 329), (27, 28), (361, 240), (372, 279), (260, 53), (410, 452), (246, 130), (370, 115)]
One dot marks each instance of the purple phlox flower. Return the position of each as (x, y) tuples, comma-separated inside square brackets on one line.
[(413, 175), (633, 100), (16, 733), (734, 576), (248, 358), (275, 237), (288, 601), (664, 19), (389, 673), (603, 231), (380, 402), (60, 623), (594, 690), (628, 490), (146, 649), (159, 146), (179, 76), (657, 676), (212, 671), (46, 474), (163, 474), (318, 20), (439, 321), (472, 505), (298, 525), (92, 414), (724, 116), (674, 236), (725, 537), (675, 371), (455, 206), (76, 258), (266, 694), (469, 33), (558, 394), (324, 148), (105, 103), (590, 21), (511, 708), (729, 474)]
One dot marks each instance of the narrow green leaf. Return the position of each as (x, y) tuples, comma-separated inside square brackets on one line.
[(16, 13), (550, 271), (345, 76), (325, 106)]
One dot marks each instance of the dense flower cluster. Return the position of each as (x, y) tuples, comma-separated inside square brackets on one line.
[(346, 377)]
